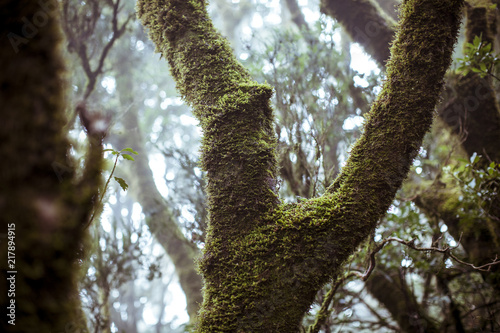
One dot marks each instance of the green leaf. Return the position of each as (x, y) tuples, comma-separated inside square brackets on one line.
[(477, 41), (128, 157), (483, 66), (108, 150), (487, 48), (131, 151), (123, 184), (474, 158)]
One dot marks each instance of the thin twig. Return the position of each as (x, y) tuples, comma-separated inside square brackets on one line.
[(103, 193), (324, 311)]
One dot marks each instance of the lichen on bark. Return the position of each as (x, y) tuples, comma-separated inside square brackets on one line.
[(264, 261)]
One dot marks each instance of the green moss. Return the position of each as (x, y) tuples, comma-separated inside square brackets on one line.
[(263, 261)]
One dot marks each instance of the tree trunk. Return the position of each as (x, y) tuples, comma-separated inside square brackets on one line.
[(45, 207), (264, 261)]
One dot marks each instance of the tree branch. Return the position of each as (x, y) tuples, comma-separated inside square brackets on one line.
[(80, 28), (297, 15), (366, 23), (234, 112)]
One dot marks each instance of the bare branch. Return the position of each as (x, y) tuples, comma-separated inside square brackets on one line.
[(324, 311), (79, 34)]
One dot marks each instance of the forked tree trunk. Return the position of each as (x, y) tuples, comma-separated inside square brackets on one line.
[(264, 260)]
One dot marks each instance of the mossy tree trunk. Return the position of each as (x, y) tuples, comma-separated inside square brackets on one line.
[(401, 308), (41, 198), (264, 261)]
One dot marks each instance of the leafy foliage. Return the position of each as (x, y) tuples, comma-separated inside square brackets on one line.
[(479, 188), (479, 58)]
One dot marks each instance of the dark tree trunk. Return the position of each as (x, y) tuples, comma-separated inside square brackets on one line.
[(42, 201)]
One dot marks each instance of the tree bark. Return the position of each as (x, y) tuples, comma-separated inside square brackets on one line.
[(264, 261), (42, 200)]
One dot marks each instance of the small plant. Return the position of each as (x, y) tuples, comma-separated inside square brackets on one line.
[(123, 184), (479, 183), (478, 58)]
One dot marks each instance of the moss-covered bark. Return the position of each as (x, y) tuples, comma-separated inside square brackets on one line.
[(40, 196), (264, 261), (472, 113), (366, 23)]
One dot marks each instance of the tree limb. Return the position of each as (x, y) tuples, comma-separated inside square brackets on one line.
[(366, 23)]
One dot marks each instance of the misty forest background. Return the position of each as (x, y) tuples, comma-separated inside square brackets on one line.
[(326, 64)]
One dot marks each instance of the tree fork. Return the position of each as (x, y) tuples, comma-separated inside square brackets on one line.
[(264, 261)]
